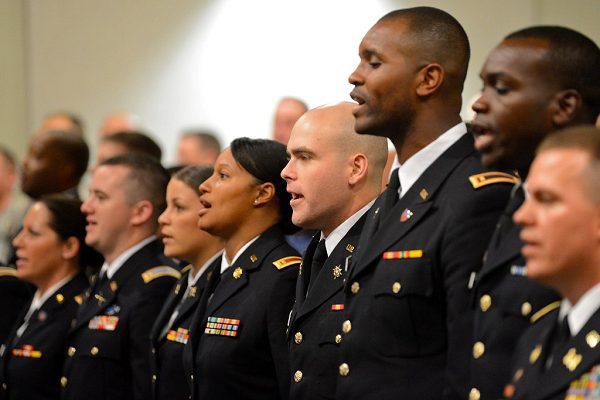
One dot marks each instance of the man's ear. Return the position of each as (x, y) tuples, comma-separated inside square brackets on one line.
[(429, 79), (142, 212), (360, 166), (566, 107), (266, 192)]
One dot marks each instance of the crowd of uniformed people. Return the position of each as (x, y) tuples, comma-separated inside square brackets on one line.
[(474, 274)]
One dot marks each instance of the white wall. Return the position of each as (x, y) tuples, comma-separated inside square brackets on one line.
[(224, 63)]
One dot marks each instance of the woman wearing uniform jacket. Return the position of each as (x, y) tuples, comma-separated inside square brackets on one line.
[(51, 255), (183, 240), (241, 351)]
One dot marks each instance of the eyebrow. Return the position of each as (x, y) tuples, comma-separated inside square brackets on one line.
[(301, 149)]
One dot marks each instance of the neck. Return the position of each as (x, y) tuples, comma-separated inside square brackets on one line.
[(207, 252), (250, 229), (422, 133), (129, 240), (68, 270)]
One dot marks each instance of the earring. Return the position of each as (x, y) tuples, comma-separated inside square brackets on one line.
[(255, 202)]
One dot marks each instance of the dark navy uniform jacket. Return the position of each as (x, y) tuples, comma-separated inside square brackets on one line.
[(14, 295), (506, 303), (108, 355), (408, 323), (314, 333), (575, 370), (168, 378), (240, 351), (32, 364)]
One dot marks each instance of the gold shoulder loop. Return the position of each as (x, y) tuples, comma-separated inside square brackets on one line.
[(489, 178), (186, 269), (287, 261), (8, 271), (158, 272), (544, 310)]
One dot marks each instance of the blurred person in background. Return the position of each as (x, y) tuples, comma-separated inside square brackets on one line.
[(198, 148)]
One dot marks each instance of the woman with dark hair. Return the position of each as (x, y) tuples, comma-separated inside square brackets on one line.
[(51, 255), (182, 240), (242, 352)]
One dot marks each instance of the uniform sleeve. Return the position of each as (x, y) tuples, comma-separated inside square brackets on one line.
[(281, 300), (147, 307)]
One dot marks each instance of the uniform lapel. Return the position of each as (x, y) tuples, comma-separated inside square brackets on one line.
[(331, 277), (168, 308), (509, 248), (581, 354), (414, 204)]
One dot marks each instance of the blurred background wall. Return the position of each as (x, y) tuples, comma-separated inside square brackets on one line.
[(220, 64)]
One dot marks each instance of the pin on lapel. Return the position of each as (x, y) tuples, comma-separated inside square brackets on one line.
[(424, 194), (592, 338), (535, 354), (337, 271), (114, 286), (100, 298), (192, 292), (237, 273), (253, 258), (571, 360), (406, 214)]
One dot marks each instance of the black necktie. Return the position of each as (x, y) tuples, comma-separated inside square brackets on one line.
[(560, 337), (506, 223), (391, 194), (318, 260)]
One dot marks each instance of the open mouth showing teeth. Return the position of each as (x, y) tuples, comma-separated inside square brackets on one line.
[(296, 196), (205, 203)]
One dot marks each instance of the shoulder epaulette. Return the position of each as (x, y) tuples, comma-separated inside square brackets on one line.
[(186, 269), (8, 271), (158, 272), (287, 261), (489, 178), (544, 310)]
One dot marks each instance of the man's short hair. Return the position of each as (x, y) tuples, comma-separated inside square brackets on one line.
[(587, 139), (73, 149), (572, 60), (136, 142), (146, 180), (77, 126), (207, 139), (440, 36)]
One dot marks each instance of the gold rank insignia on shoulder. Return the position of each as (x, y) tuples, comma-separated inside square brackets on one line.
[(489, 178), (186, 269), (158, 272), (405, 254), (8, 271), (544, 310), (287, 261)]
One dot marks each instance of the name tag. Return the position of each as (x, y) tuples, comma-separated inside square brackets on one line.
[(104, 323)]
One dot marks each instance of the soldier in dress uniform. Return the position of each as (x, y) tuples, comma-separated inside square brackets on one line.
[(238, 344), (559, 356), (108, 355), (523, 100), (334, 176), (182, 240), (407, 301), (51, 255)]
